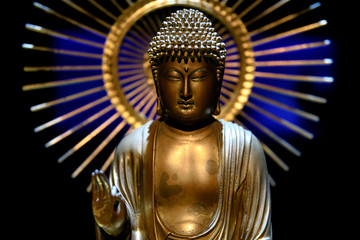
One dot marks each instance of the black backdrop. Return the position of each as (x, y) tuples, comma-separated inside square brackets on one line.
[(311, 201)]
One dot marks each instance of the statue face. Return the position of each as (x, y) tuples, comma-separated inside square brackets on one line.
[(189, 91)]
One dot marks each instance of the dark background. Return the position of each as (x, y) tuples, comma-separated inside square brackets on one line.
[(316, 199)]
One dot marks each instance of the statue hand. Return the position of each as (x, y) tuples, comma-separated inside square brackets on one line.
[(104, 200)]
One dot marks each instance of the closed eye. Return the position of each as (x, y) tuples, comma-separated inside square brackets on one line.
[(198, 79), (173, 78)]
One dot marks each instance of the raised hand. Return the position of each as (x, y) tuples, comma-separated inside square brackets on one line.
[(108, 208)]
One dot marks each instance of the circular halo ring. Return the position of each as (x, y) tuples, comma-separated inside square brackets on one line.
[(139, 9)]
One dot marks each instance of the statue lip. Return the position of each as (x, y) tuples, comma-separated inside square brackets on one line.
[(185, 104)]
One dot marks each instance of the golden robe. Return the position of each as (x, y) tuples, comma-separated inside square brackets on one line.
[(243, 210)]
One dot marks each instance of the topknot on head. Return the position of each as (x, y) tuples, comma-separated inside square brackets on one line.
[(187, 33)]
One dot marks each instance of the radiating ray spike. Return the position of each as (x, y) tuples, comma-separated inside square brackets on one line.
[(131, 60), (286, 63), (59, 83), (86, 13), (101, 146), (282, 20), (223, 100), (143, 32), (130, 72), (79, 126), (228, 85), (117, 5), (130, 66), (135, 92), (292, 77), (227, 38), (217, 26), (226, 92), (268, 150), (76, 23), (130, 79), (144, 101), (158, 21), (105, 166), (142, 45), (232, 58), (130, 2), (271, 181), (138, 46), (285, 107), (61, 51), (152, 112), (271, 134), (42, 30), (62, 68), (133, 54), (232, 64), (71, 114), (109, 160), (282, 121), (85, 140), (148, 105), (141, 95), (149, 30), (267, 12), (134, 48), (231, 78), (275, 157), (46, 105), (221, 31), (104, 10), (228, 42), (232, 50), (236, 4), (153, 25), (248, 9), (290, 93), (290, 33), (292, 48), (235, 72), (134, 84)]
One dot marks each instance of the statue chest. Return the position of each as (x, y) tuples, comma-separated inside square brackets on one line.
[(186, 181)]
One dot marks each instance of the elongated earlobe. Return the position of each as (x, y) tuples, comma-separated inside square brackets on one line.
[(217, 109), (159, 109)]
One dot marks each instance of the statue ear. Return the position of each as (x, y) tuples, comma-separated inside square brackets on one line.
[(159, 109), (217, 110)]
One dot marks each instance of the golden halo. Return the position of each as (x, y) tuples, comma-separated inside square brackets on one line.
[(227, 19), (111, 79)]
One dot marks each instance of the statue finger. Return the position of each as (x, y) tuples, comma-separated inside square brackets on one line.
[(104, 187), (94, 187)]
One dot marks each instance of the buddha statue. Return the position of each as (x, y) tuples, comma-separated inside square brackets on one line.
[(185, 175)]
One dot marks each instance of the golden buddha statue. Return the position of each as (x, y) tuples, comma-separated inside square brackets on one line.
[(186, 175)]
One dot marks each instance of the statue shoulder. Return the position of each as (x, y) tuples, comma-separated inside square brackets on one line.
[(134, 141), (235, 129), (249, 138), (252, 157)]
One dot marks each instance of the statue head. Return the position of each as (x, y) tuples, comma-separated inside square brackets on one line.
[(187, 60)]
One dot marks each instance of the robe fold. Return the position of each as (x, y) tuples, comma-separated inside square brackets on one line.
[(243, 210)]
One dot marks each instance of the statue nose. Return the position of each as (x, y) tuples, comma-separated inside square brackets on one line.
[(186, 92)]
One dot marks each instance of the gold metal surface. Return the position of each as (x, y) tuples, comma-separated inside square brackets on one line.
[(186, 175), (123, 30), (136, 11)]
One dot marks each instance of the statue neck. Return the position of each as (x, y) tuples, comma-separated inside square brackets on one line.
[(189, 128)]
